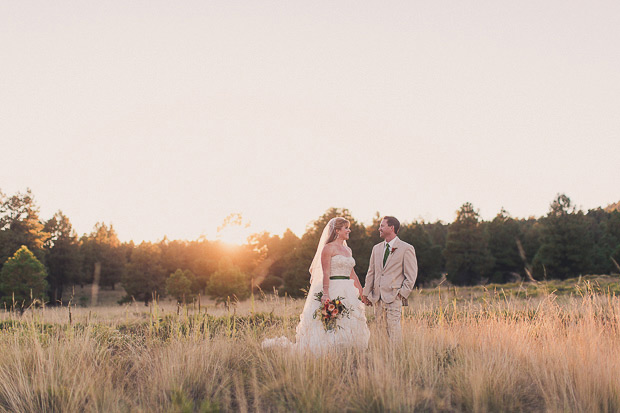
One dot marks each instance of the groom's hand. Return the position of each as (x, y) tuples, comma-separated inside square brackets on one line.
[(366, 301)]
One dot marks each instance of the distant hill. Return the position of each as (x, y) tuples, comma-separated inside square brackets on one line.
[(613, 207)]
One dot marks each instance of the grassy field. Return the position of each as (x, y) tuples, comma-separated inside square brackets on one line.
[(545, 347)]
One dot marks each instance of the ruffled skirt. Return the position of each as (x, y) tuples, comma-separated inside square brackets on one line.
[(351, 331)]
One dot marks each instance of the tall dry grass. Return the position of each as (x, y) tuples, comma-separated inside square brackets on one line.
[(493, 352)]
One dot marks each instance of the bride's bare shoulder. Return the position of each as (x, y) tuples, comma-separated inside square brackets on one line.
[(333, 246), (328, 249)]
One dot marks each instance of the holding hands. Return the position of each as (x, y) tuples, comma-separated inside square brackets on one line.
[(365, 300)]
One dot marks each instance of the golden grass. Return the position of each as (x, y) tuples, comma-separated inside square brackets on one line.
[(492, 352)]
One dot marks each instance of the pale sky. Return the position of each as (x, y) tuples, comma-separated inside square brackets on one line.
[(162, 118)]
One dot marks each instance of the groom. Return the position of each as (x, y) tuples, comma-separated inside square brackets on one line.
[(391, 276)]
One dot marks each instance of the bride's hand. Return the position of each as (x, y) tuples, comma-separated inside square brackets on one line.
[(366, 301), (325, 298)]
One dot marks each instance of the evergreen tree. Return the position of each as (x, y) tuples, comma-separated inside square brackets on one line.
[(467, 256), (438, 232), (296, 275), (145, 276), (63, 256), (604, 241), (275, 256), (565, 248), (22, 280), (504, 235), (530, 229), (615, 258), (102, 248), (613, 227), (179, 285), (372, 231), (430, 258), (174, 255), (228, 282), (20, 225)]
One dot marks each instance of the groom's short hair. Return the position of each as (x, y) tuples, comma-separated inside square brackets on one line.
[(393, 222)]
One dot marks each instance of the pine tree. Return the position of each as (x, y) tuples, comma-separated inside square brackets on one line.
[(565, 248), (504, 235), (20, 225), (429, 256), (22, 280), (467, 256), (145, 276), (274, 256), (63, 257), (603, 241), (102, 248)]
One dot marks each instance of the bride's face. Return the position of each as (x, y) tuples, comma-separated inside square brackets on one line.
[(344, 232)]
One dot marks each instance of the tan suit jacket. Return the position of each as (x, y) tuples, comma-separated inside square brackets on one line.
[(397, 277)]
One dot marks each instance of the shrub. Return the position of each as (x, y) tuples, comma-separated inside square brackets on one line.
[(270, 282), (228, 281), (179, 285)]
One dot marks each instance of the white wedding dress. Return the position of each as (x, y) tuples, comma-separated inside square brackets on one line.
[(352, 331)]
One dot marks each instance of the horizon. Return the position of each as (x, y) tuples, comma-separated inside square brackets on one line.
[(235, 227)]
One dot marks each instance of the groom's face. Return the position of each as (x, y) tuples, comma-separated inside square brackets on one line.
[(385, 230)]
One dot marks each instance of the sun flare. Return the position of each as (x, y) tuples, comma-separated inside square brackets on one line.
[(234, 230)]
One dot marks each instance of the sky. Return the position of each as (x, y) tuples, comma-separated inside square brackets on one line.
[(162, 118)]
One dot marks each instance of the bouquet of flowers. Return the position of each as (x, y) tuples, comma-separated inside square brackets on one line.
[(330, 312)]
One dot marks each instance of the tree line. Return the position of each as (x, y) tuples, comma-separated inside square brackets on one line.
[(41, 259)]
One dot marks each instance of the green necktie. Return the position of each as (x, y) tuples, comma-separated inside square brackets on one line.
[(387, 253)]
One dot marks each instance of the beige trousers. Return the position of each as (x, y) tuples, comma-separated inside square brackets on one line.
[(388, 316)]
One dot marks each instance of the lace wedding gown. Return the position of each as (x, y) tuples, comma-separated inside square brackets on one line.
[(311, 334)]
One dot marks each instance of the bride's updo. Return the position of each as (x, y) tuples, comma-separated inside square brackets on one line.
[(336, 224)]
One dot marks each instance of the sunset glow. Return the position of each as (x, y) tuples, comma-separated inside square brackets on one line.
[(234, 230), (162, 119)]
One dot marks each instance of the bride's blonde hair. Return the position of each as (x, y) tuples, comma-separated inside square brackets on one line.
[(336, 224)]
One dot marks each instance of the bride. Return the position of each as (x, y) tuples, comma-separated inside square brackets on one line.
[(332, 274)]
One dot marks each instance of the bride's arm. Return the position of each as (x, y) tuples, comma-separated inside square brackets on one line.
[(326, 256), (356, 282)]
